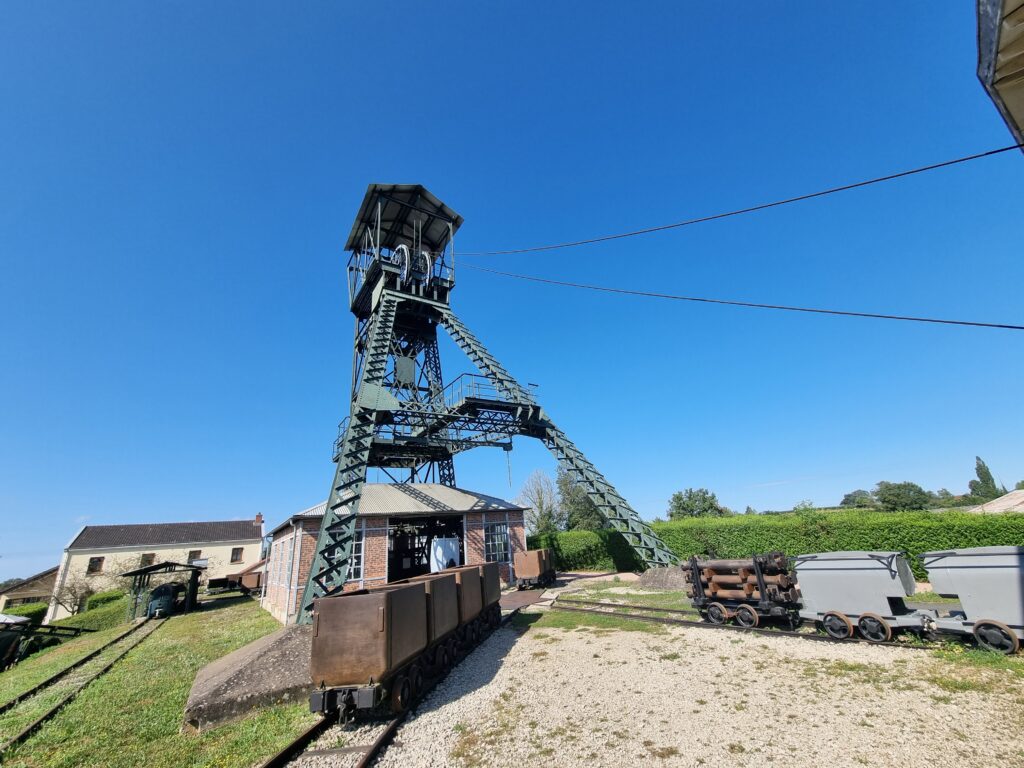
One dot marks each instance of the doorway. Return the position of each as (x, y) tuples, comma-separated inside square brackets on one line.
[(409, 543)]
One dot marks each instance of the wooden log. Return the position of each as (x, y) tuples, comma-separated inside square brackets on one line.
[(735, 594), (726, 578), (779, 579)]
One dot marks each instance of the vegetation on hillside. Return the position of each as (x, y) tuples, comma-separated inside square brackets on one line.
[(793, 533), (130, 717)]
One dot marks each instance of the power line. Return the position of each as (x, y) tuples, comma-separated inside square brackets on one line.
[(752, 209), (652, 295)]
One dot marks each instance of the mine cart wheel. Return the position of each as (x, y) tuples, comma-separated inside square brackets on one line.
[(794, 622), (441, 658), (496, 617), (874, 628), (995, 636), (837, 625), (717, 613), (415, 681), (401, 694), (746, 616)]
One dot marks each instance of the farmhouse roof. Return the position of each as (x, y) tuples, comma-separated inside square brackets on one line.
[(29, 580), (163, 534), (415, 499), (1011, 502)]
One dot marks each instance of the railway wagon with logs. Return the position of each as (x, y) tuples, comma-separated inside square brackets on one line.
[(744, 590), (377, 649), (865, 593)]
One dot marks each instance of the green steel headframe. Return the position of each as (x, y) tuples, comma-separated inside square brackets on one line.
[(403, 419)]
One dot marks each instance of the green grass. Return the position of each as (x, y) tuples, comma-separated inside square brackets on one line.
[(977, 658), (932, 597), (131, 716), (106, 616), (606, 590), (575, 620), (49, 661)]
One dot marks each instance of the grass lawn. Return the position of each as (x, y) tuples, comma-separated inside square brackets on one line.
[(131, 715), (49, 661), (631, 594), (106, 616), (575, 620)]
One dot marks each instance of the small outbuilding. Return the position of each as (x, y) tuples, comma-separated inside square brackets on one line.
[(397, 526)]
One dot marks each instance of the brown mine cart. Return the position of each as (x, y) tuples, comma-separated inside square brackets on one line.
[(534, 568), (367, 647), (747, 591)]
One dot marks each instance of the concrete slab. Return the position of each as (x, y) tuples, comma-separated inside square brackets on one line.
[(271, 670), (667, 577)]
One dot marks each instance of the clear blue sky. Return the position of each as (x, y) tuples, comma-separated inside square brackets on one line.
[(177, 181)]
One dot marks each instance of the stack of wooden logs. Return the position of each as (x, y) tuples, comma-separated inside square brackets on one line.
[(737, 579)]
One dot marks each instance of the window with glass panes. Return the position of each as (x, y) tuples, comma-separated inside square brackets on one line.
[(355, 563), (496, 548)]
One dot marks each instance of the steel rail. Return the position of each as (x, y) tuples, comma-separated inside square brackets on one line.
[(39, 721), (57, 676), (559, 605), (299, 745)]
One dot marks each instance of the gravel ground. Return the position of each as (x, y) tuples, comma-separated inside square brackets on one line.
[(348, 735), (690, 697)]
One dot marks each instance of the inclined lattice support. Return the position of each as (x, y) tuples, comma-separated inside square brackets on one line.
[(610, 504), (338, 529)]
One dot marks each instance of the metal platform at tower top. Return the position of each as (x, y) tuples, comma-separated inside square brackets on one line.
[(403, 418)]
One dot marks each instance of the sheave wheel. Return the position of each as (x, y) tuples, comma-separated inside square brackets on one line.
[(746, 616), (717, 613), (401, 694), (874, 628), (837, 625), (995, 636)]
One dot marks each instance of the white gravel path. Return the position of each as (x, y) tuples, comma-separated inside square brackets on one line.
[(692, 697)]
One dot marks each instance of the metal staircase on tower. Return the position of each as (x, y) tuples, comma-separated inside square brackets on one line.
[(403, 419)]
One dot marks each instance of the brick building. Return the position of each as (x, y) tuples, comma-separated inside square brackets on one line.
[(396, 526)]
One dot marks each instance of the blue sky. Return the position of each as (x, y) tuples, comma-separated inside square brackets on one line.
[(177, 181)]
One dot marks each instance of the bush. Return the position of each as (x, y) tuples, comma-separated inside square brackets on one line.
[(104, 617), (588, 550), (798, 533), (102, 598), (35, 612)]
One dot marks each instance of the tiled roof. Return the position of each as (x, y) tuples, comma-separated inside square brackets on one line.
[(29, 580), (1011, 502), (163, 534)]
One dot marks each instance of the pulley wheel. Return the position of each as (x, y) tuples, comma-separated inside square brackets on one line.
[(996, 636), (746, 616), (874, 628), (837, 626), (717, 613)]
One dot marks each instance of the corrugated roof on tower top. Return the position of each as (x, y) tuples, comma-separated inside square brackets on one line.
[(401, 206)]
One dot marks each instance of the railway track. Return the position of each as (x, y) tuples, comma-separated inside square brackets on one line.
[(26, 714), (607, 608), (376, 733)]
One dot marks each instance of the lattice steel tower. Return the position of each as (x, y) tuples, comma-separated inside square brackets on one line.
[(403, 418)]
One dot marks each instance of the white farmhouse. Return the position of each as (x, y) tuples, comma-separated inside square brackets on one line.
[(99, 553)]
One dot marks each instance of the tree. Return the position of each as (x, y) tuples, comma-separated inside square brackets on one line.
[(538, 496), (906, 495), (860, 499), (749, 510), (695, 502), (985, 487), (577, 509), (1019, 486)]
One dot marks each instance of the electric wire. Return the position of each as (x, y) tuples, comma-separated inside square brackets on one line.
[(753, 305), (751, 209)]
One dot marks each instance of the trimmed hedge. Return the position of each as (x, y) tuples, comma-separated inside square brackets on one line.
[(102, 598), (104, 617), (794, 534), (34, 612)]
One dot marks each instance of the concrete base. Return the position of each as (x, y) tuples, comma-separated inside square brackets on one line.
[(668, 577), (271, 670)]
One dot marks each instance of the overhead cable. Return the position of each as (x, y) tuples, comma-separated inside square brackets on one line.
[(754, 305), (751, 209)]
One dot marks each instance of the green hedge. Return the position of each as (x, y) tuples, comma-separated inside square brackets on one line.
[(104, 617), (102, 598), (794, 534), (35, 612)]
